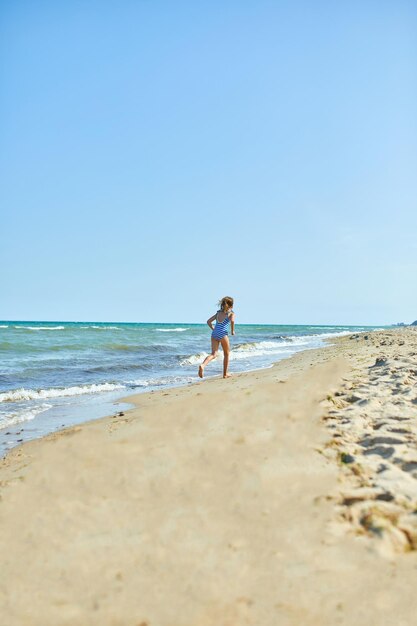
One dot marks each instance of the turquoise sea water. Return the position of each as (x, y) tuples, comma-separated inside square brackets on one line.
[(54, 374)]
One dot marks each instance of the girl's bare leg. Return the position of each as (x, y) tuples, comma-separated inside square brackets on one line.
[(226, 352), (210, 357)]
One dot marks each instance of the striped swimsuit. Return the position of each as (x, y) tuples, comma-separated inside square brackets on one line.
[(220, 330)]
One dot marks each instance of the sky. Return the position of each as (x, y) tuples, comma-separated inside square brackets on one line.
[(157, 156)]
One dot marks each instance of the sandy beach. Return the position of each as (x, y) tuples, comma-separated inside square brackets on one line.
[(286, 496)]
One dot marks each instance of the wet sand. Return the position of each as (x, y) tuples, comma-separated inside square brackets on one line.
[(280, 497)]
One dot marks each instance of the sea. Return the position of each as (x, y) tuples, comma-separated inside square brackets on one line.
[(57, 374)]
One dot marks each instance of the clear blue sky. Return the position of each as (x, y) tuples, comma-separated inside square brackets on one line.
[(156, 156)]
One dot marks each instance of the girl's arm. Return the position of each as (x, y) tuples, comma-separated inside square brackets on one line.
[(232, 323), (211, 320)]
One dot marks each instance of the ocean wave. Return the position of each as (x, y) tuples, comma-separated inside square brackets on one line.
[(44, 348), (24, 415), (95, 327), (256, 345), (3, 326), (125, 347), (247, 350), (36, 394), (274, 345), (295, 340), (117, 367), (246, 353), (243, 351), (171, 330), (41, 327), (327, 327), (103, 327), (327, 335), (194, 359)]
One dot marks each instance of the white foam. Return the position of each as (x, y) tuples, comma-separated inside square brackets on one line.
[(33, 394), (194, 359), (161, 382), (3, 326), (95, 327), (262, 345), (42, 327), (326, 327), (103, 327), (9, 419), (247, 353), (297, 339), (171, 330), (290, 345)]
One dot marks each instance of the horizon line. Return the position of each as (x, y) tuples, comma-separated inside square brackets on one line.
[(196, 323)]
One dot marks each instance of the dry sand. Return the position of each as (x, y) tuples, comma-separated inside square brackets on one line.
[(281, 497)]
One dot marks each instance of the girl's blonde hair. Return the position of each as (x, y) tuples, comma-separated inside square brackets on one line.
[(226, 303)]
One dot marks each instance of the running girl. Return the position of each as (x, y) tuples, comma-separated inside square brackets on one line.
[(220, 334)]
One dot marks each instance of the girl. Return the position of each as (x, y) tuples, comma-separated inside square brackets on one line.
[(220, 334)]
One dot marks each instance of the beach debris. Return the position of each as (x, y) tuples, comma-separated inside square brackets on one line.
[(379, 361), (347, 458)]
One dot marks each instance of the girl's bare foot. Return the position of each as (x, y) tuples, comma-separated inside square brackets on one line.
[(227, 376), (201, 371)]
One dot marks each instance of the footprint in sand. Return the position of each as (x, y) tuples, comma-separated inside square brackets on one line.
[(384, 452)]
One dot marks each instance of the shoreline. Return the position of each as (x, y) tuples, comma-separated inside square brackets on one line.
[(133, 398), (48, 422), (232, 499)]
